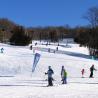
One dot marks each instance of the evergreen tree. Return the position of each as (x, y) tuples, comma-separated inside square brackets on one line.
[(19, 37)]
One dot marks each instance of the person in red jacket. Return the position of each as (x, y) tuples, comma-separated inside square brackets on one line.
[(82, 72)]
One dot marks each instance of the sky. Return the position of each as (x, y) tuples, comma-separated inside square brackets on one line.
[(32, 13)]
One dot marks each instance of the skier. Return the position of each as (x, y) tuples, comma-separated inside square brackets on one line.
[(92, 68), (31, 47), (2, 49), (50, 73), (64, 75), (82, 72)]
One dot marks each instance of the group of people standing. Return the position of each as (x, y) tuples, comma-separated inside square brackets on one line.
[(50, 72)]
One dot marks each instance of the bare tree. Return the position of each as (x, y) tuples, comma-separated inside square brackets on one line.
[(92, 16)]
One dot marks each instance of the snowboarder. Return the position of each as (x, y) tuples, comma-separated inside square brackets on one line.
[(92, 68), (64, 75), (50, 73), (82, 72)]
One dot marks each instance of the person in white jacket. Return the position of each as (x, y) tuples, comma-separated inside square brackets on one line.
[(64, 75)]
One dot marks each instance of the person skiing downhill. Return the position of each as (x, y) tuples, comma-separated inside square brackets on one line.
[(64, 75), (50, 78), (92, 68)]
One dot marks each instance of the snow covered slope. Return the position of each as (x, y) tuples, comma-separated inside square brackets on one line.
[(16, 72)]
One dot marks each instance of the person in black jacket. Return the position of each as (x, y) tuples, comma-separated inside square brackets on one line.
[(92, 68)]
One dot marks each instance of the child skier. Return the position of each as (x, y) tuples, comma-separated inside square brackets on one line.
[(82, 72)]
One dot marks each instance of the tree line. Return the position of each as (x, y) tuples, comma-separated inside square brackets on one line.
[(20, 35), (89, 36), (84, 35)]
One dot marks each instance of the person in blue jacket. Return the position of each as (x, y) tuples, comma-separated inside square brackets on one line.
[(2, 49), (50, 78)]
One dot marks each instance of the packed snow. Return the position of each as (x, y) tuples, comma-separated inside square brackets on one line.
[(18, 81)]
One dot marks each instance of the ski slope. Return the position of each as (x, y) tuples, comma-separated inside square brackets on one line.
[(18, 81)]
